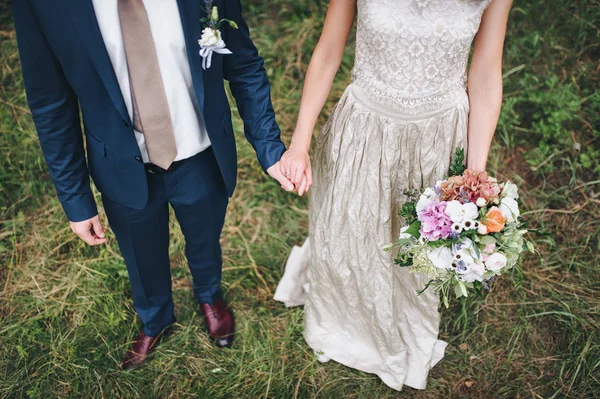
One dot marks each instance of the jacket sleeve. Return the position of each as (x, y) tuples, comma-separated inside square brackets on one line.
[(250, 87), (55, 110)]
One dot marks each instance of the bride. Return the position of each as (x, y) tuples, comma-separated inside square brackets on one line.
[(395, 128)]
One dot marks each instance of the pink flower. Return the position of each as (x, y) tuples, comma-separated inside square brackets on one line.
[(470, 187), (435, 224), (487, 251), (489, 248), (451, 188)]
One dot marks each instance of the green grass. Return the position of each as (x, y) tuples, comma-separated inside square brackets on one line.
[(65, 309)]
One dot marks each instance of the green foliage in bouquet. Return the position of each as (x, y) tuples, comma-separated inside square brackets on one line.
[(457, 167), (408, 211)]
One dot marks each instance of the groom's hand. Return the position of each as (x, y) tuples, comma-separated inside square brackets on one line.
[(90, 231), (275, 172)]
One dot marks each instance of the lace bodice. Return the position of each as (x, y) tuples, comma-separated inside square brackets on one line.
[(414, 52)]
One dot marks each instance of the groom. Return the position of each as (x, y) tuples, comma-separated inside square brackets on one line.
[(158, 132)]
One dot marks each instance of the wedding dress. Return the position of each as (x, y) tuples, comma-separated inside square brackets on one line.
[(395, 128)]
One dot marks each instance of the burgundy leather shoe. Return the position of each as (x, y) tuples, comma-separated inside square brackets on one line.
[(138, 352), (219, 322)]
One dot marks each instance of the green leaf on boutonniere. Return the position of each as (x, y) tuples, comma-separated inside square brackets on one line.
[(230, 22)]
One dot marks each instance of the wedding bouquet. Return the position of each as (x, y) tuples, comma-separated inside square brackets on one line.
[(462, 232)]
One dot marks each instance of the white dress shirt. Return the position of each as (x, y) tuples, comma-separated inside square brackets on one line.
[(167, 32)]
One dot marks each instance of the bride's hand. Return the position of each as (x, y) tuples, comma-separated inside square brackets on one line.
[(295, 165)]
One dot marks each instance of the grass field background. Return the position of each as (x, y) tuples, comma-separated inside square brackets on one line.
[(65, 309)]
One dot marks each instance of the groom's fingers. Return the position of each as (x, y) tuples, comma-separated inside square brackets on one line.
[(90, 231), (275, 172), (285, 182), (91, 239), (97, 228)]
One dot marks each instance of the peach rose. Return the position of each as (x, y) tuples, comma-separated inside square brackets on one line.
[(494, 220)]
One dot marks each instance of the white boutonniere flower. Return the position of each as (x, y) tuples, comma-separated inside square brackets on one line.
[(211, 40)]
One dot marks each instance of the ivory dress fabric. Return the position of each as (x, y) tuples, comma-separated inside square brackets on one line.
[(396, 127)]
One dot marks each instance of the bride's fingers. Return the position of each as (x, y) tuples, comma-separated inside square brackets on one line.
[(303, 186), (297, 175), (309, 177), (283, 168)]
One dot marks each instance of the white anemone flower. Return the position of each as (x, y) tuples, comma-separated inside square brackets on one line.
[(457, 228), (468, 224)]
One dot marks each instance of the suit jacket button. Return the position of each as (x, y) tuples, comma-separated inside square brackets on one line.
[(125, 123), (139, 159)]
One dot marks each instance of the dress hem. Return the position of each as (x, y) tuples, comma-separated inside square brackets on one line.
[(412, 381)]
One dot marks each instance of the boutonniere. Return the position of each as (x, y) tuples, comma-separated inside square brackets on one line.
[(211, 40)]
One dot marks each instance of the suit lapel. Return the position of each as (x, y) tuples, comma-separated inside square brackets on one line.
[(189, 11), (84, 17)]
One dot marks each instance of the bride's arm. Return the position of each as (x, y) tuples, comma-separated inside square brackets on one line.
[(485, 83), (325, 61)]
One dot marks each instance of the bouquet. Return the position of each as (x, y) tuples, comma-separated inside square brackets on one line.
[(462, 232)]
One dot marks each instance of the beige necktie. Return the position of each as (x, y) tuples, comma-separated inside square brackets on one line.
[(150, 108)]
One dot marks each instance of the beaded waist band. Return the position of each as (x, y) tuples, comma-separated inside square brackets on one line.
[(388, 101)]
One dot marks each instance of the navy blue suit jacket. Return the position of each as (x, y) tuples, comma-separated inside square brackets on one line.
[(66, 69)]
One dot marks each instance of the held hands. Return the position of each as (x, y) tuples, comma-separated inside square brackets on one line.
[(295, 165), (91, 231), (293, 171)]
